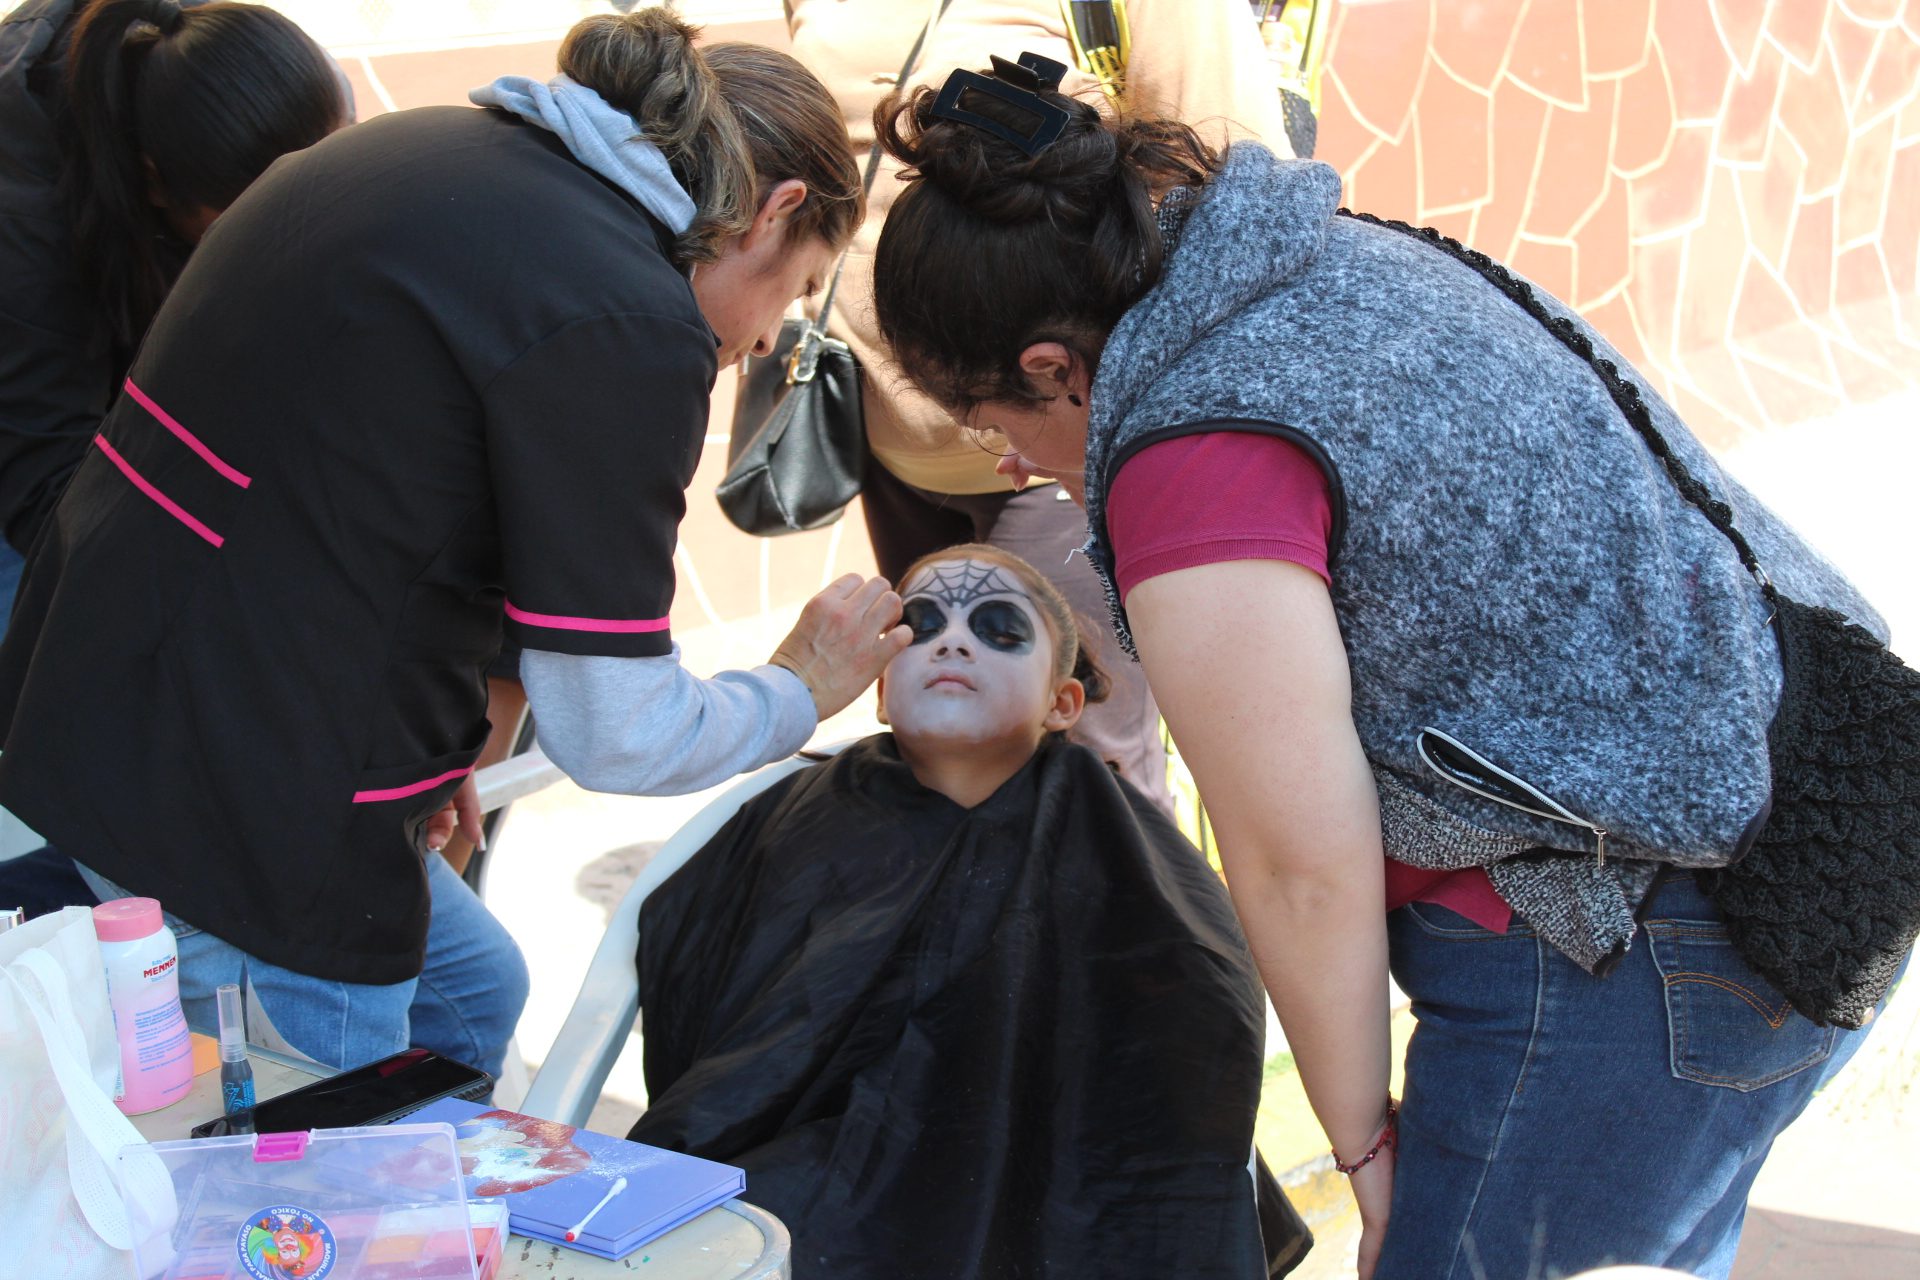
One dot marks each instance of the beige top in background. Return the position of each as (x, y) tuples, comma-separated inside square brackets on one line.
[(1200, 61)]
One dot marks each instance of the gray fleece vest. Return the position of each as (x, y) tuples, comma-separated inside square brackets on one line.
[(1560, 670)]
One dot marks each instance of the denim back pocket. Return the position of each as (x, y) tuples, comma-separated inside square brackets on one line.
[(1444, 922), (1727, 1024)]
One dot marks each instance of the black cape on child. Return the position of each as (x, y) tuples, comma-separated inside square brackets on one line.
[(1016, 1040)]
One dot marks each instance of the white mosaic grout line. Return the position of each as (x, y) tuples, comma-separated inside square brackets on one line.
[(1715, 10), (1508, 73), (378, 85), (683, 558)]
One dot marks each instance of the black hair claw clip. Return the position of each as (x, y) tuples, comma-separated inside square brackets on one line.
[(1018, 85), (1030, 71)]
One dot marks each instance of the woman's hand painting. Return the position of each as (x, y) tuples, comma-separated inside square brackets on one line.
[(845, 637)]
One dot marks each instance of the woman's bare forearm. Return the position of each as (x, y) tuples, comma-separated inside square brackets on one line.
[(1246, 661), (1317, 928)]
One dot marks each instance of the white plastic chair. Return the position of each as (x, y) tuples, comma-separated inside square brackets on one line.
[(569, 1081), (499, 785)]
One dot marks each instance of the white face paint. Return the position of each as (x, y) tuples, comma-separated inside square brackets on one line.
[(980, 669)]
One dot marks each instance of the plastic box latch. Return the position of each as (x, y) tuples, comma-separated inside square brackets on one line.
[(272, 1148)]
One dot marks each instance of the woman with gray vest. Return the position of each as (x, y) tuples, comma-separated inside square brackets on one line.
[(1404, 582)]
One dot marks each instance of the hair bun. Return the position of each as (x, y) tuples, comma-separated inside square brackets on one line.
[(647, 64), (164, 14), (1017, 248), (995, 179)]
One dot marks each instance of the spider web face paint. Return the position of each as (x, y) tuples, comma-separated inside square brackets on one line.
[(960, 582)]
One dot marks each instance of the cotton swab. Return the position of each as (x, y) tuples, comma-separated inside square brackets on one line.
[(619, 1185)]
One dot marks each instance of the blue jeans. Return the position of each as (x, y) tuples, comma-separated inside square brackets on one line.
[(1555, 1121), (463, 1005), (12, 565)]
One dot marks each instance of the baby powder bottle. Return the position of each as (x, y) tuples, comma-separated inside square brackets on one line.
[(143, 985)]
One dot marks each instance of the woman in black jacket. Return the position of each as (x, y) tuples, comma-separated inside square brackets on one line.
[(439, 381)]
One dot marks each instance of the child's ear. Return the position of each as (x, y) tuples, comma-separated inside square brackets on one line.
[(1069, 700), (880, 699)]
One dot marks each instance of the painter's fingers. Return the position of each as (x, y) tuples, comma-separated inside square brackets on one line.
[(845, 637)]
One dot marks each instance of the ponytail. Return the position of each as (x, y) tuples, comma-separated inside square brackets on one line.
[(645, 64), (1088, 671), (733, 121), (207, 96), (117, 230)]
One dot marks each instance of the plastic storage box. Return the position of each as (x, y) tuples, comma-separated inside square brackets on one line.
[(383, 1203)]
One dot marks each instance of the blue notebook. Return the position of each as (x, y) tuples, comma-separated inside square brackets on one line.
[(552, 1175)]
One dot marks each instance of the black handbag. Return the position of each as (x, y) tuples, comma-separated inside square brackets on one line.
[(1826, 903), (799, 437), (799, 442)]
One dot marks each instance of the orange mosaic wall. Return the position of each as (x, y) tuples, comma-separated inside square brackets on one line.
[(1729, 189)]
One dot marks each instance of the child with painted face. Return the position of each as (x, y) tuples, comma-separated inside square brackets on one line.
[(961, 991), (995, 666)]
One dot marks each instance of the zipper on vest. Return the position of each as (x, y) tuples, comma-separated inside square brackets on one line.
[(1465, 768)]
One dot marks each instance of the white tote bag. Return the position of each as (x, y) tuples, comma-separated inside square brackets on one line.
[(65, 1186)]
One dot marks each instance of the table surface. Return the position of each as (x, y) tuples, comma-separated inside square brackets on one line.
[(735, 1241)]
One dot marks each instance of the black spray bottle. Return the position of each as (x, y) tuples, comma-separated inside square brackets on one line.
[(236, 1073)]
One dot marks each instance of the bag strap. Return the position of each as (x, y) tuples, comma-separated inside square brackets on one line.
[(1101, 40), (806, 351), (96, 1130), (1625, 395)]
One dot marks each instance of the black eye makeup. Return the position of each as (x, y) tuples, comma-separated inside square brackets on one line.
[(924, 617), (999, 624), (1002, 625)]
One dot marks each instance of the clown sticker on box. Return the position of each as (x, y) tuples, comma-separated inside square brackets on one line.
[(286, 1242)]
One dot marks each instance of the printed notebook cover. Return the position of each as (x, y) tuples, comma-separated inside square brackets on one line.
[(553, 1175)]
